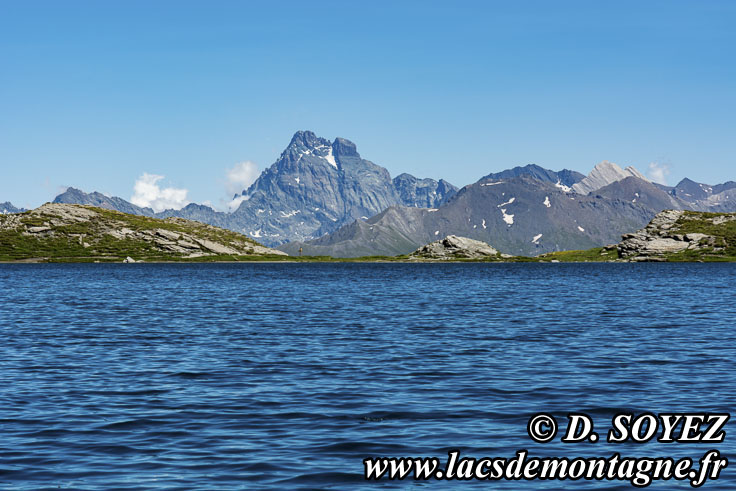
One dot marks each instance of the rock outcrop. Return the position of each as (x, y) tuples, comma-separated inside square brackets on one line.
[(674, 232), (58, 231), (454, 247)]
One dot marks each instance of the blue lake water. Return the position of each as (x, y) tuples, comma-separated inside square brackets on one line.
[(286, 376)]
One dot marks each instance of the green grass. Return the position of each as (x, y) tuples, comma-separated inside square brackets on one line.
[(695, 222), (598, 254), (706, 256), (65, 244)]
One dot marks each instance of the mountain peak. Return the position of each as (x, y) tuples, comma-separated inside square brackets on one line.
[(72, 190), (306, 139), (564, 177), (603, 174), (309, 141), (606, 165), (345, 148)]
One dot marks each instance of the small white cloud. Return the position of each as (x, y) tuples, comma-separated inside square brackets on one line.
[(658, 172), (147, 193), (240, 177), (235, 203)]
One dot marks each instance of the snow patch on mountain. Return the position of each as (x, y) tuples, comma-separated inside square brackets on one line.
[(509, 219), (330, 158), (566, 189)]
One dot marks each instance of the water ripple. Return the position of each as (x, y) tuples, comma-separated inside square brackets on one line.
[(285, 376)]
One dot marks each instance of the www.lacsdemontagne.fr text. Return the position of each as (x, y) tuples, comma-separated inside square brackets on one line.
[(639, 471)]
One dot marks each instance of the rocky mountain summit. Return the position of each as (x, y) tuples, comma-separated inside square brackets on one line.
[(313, 188), (563, 179), (453, 247), (677, 234), (317, 186), (63, 232)]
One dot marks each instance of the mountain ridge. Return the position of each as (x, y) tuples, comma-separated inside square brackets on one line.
[(563, 178), (519, 216)]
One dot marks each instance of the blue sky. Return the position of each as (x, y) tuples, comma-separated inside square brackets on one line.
[(95, 94)]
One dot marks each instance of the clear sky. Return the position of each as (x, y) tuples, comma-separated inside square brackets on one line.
[(95, 94)]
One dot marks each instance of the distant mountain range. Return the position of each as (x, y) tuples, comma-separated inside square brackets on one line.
[(8, 207), (702, 197), (527, 211), (315, 187), (521, 216), (322, 197)]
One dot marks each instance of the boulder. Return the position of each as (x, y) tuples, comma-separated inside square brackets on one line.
[(454, 247)]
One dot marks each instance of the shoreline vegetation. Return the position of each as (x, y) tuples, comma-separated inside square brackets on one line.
[(56, 233)]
